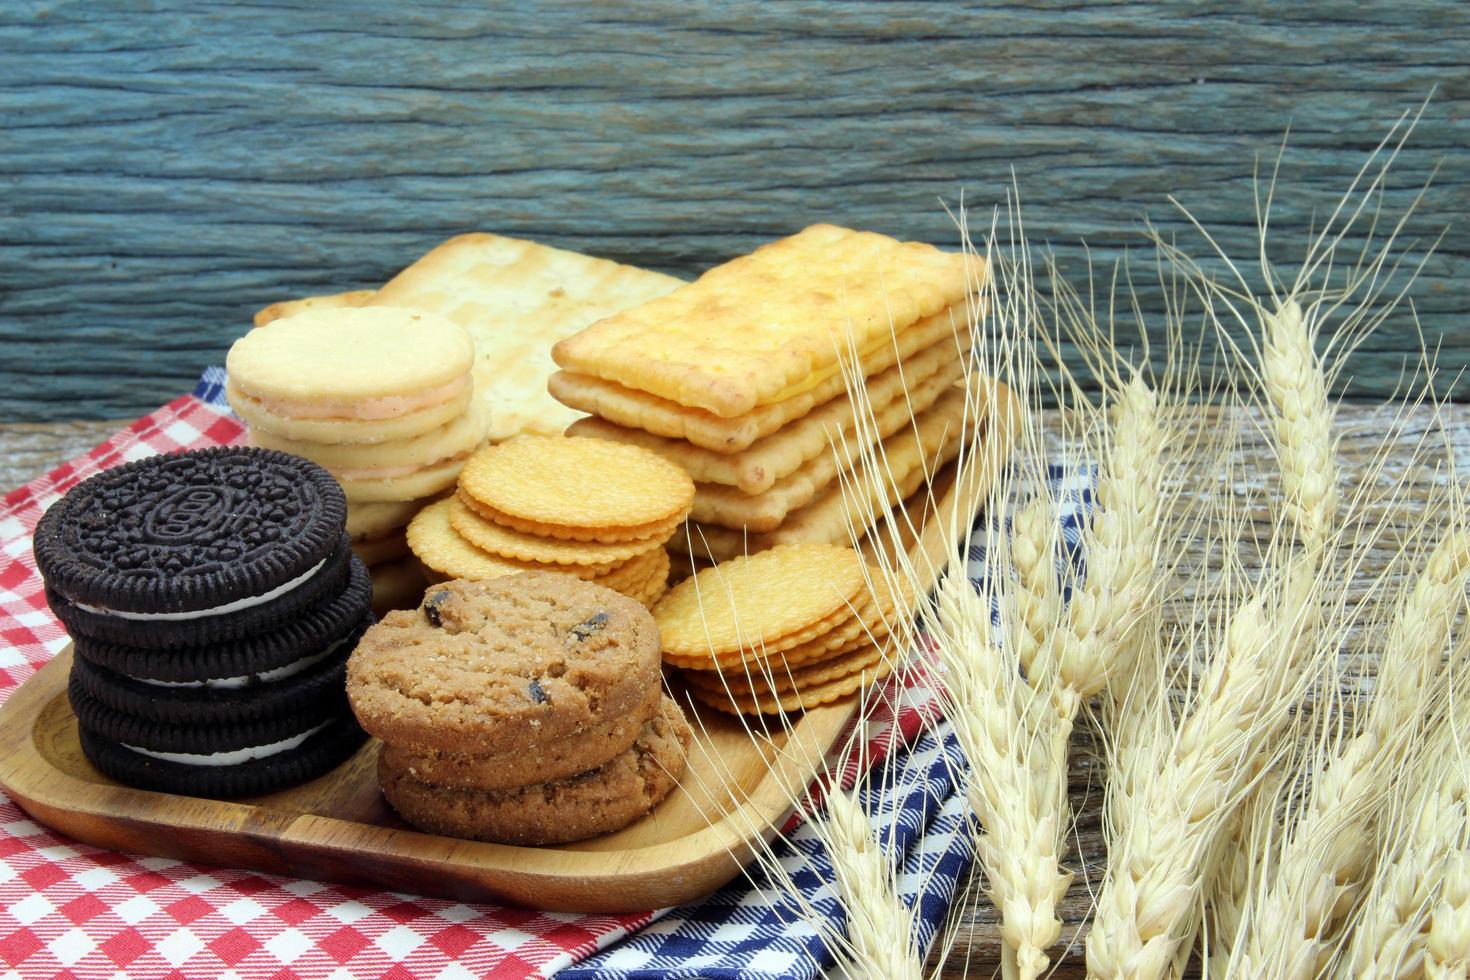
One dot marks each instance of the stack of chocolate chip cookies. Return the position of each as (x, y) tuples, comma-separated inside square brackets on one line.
[(583, 507), (526, 709), (213, 600), (789, 628), (380, 396), (742, 378)]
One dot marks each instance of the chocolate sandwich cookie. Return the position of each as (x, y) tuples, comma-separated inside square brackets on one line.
[(194, 548), (503, 664), (186, 737), (597, 802), (336, 621), (312, 685), (245, 771)]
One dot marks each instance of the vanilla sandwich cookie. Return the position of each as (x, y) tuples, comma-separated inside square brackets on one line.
[(396, 470), (365, 375), (375, 519)]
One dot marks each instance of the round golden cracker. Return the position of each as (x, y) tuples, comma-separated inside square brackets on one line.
[(781, 678), (443, 552), (870, 619), (811, 696), (801, 656), (654, 585), (787, 595), (584, 489), (633, 572), (660, 532), (501, 540)]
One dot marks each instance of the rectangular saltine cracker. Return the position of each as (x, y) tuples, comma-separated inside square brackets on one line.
[(861, 502), (764, 327), (728, 507), (517, 299), (291, 307), (758, 468), (640, 410)]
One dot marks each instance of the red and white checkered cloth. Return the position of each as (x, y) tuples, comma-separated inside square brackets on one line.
[(70, 910)]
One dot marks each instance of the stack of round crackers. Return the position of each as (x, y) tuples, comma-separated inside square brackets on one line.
[(742, 378), (783, 630), (524, 710), (591, 509), (379, 396)]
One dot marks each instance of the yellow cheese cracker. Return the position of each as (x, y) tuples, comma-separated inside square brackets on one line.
[(640, 410), (510, 543), (767, 326), (912, 456), (760, 601), (809, 696), (584, 489), (517, 298), (729, 507), (897, 392)]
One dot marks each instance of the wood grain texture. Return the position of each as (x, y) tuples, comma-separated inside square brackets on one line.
[(975, 940), (170, 168)]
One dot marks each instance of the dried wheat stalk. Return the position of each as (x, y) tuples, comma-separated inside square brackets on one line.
[(1294, 923)]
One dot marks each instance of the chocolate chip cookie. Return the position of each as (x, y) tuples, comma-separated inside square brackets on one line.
[(556, 812), (503, 665)]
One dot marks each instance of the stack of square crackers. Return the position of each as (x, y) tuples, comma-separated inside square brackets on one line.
[(743, 378)]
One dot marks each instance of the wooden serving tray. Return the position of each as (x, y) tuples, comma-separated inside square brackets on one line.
[(736, 791)]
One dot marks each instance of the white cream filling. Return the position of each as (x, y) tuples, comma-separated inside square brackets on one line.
[(234, 757), (229, 607), (230, 683)]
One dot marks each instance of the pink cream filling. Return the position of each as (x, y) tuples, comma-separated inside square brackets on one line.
[(367, 409), (393, 472)]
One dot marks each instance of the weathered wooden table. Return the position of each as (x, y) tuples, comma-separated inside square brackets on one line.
[(27, 450), (170, 167)]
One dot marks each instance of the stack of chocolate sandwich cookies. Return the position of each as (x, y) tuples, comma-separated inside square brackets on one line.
[(584, 507), (380, 396), (742, 379), (213, 600), (527, 709)]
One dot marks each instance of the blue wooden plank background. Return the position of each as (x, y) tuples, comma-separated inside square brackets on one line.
[(168, 167)]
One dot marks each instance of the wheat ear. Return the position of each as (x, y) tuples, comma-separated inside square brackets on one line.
[(1390, 931), (1148, 906), (1003, 727), (1295, 921), (879, 928), (1301, 423), (1447, 947), (1037, 594)]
